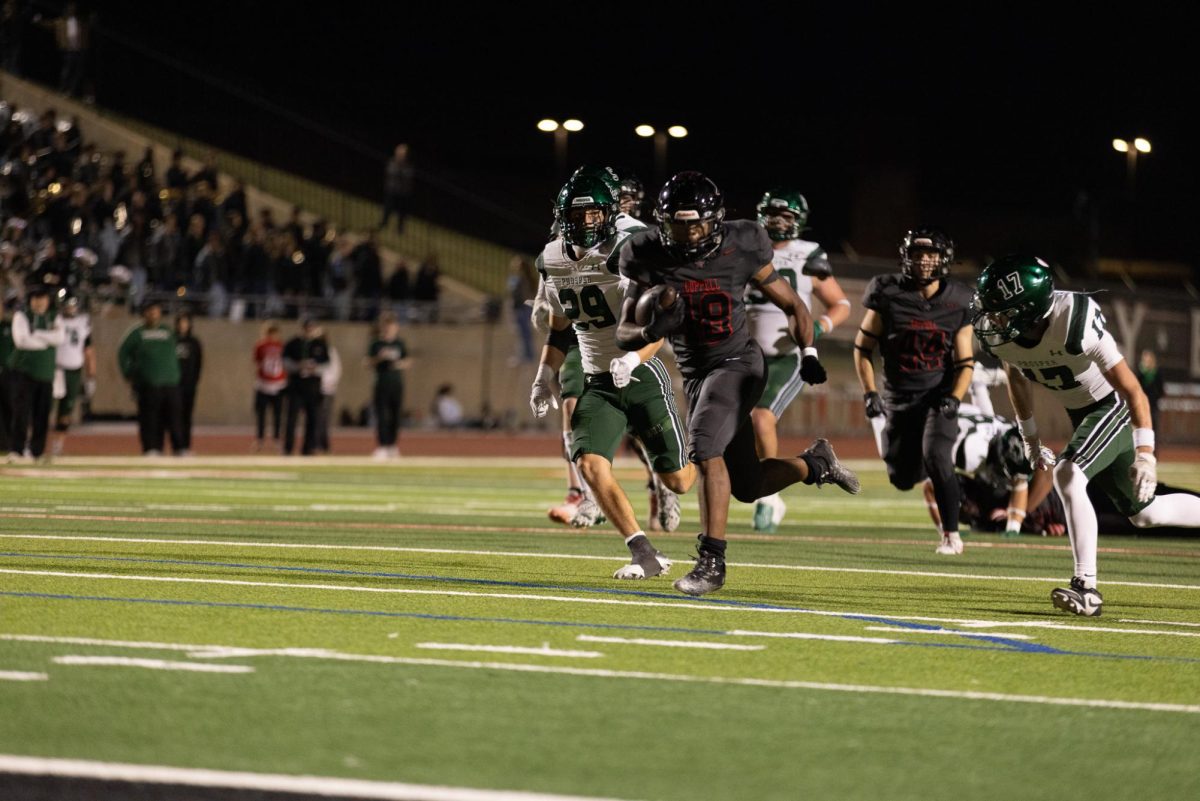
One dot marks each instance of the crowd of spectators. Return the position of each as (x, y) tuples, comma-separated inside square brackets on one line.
[(92, 222)]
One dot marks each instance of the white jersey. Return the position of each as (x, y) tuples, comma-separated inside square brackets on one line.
[(589, 292), (77, 335), (1073, 354), (768, 322), (976, 429)]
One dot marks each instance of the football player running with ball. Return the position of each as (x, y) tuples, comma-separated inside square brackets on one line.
[(710, 262), (1058, 340), (804, 265), (621, 389)]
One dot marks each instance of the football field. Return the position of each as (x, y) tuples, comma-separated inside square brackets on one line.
[(421, 630)]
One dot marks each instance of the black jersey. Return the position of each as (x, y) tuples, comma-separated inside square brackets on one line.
[(918, 333), (715, 326)]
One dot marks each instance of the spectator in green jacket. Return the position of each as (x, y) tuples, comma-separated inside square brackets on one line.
[(6, 348), (36, 334), (148, 360)]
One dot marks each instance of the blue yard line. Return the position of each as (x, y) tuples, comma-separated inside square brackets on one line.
[(1005, 643), (520, 622)]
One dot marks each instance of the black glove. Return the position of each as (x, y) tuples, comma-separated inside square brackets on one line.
[(665, 322), (949, 407), (874, 404), (811, 370)]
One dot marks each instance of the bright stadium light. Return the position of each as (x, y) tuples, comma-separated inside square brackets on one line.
[(1140, 145), (644, 130), (560, 138), (660, 144), (677, 131)]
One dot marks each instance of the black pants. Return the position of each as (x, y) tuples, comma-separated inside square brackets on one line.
[(30, 409), (187, 399), (262, 402), (324, 419), (398, 205), (918, 442), (160, 409), (719, 405), (389, 403), (5, 408), (303, 395)]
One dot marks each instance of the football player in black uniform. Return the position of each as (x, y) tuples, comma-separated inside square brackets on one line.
[(921, 319), (709, 262)]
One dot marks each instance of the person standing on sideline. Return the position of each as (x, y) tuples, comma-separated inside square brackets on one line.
[(75, 369), (330, 378), (149, 363), (388, 356), (397, 188), (6, 349), (270, 381), (191, 361), (1150, 377), (305, 358), (36, 333)]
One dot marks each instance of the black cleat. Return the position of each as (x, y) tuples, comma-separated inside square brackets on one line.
[(1078, 599), (832, 471), (707, 576)]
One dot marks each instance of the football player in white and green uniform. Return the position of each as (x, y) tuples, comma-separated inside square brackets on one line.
[(803, 264), (75, 369), (621, 390), (1058, 340)]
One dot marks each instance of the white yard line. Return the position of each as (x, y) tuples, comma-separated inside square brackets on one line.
[(712, 607), (22, 675), (537, 555), (714, 646), (265, 782), (545, 650), (151, 664), (1157, 622), (898, 630), (801, 635), (1099, 703)]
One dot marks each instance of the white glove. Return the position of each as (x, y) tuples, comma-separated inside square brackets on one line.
[(544, 393), (1144, 475), (622, 369), (1040, 457)]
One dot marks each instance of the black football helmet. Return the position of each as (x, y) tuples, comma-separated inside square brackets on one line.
[(630, 191), (690, 215), (925, 240)]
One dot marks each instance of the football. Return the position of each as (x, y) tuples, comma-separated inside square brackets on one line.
[(653, 299)]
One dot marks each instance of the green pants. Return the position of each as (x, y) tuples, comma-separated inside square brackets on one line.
[(570, 375), (1102, 447), (783, 383), (646, 407)]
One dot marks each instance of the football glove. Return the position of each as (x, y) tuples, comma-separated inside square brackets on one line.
[(874, 405), (1144, 475), (543, 395), (1040, 457), (622, 369), (811, 370), (949, 407)]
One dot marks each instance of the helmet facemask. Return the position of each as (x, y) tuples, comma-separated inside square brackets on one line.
[(691, 233), (926, 255), (586, 223)]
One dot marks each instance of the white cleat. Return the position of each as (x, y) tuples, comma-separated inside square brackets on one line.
[(639, 570), (768, 513), (951, 545), (588, 514)]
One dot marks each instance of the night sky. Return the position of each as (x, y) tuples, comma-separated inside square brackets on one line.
[(990, 124)]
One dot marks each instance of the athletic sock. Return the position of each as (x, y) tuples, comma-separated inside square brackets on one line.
[(710, 545), (816, 467)]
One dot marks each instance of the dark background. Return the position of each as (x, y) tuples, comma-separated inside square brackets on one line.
[(994, 124)]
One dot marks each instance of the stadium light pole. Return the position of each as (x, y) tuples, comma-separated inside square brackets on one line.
[(560, 132), (660, 145), (1131, 150)]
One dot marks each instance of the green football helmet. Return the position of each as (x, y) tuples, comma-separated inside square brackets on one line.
[(582, 193), (1014, 293), (778, 200), (606, 174)]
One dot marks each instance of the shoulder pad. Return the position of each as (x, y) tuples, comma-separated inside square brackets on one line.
[(817, 265)]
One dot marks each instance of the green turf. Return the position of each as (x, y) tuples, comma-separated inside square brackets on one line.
[(347, 691)]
